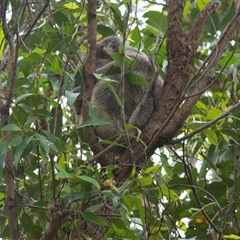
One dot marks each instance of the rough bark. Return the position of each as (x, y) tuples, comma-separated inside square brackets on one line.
[(56, 218), (168, 117)]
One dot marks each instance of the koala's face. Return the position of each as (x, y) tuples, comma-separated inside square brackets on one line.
[(107, 44)]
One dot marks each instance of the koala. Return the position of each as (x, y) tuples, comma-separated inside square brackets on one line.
[(130, 94)]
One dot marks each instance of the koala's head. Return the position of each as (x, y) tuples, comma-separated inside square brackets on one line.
[(107, 44)]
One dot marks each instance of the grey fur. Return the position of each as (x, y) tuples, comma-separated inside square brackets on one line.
[(131, 95)]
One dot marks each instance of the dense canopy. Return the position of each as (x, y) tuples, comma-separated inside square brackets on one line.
[(179, 178)]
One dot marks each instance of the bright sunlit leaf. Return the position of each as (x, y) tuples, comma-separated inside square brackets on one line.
[(231, 236), (71, 6), (213, 113), (202, 3), (2, 40)]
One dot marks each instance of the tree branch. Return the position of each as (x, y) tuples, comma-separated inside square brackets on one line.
[(164, 122), (89, 69), (56, 218), (5, 109), (39, 14), (175, 81), (196, 29), (203, 81)]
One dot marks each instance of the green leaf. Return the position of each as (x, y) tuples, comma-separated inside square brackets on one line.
[(105, 30), (56, 65), (128, 127), (94, 208), (71, 6), (213, 113), (60, 19), (96, 122), (23, 96), (145, 181), (90, 180), (186, 8), (118, 19), (119, 223), (135, 79), (62, 173), (152, 30), (178, 182), (212, 136), (228, 59), (119, 102), (93, 218), (2, 40), (106, 142), (168, 193), (155, 20), (105, 78), (20, 149), (116, 56), (71, 97), (229, 182), (31, 119), (55, 83), (231, 236), (12, 127), (227, 15), (154, 169), (51, 137), (93, 111), (202, 3), (217, 189), (225, 137), (14, 140), (112, 70), (83, 195), (44, 143), (201, 105), (129, 62)]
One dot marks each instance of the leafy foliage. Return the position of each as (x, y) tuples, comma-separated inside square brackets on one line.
[(50, 154)]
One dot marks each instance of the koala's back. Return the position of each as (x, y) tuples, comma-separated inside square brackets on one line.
[(129, 94)]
